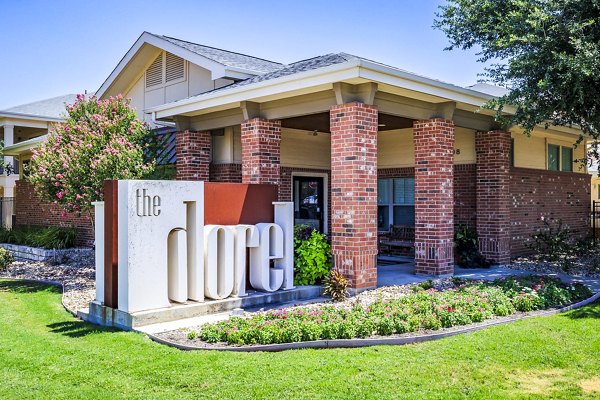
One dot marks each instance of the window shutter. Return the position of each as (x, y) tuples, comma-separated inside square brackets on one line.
[(175, 68), (154, 72)]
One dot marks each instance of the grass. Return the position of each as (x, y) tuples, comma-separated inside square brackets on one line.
[(46, 353)]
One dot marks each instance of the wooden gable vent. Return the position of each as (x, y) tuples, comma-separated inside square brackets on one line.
[(154, 73), (175, 69)]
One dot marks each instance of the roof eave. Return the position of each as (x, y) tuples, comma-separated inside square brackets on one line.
[(33, 117), (355, 68), (23, 147)]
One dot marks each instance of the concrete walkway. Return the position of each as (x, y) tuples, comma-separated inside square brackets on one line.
[(401, 271)]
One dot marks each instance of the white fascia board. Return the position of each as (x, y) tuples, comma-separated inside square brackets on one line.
[(217, 70), (299, 81), (406, 80), (335, 73), (355, 68), (26, 120), (23, 147)]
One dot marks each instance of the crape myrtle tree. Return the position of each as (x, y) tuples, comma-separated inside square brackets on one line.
[(99, 140), (546, 52)]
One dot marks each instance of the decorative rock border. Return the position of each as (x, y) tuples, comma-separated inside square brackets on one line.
[(29, 253), (351, 343)]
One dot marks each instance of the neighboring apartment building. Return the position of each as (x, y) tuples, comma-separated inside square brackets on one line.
[(358, 146), (22, 127)]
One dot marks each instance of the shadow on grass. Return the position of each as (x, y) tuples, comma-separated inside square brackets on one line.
[(27, 287), (590, 311), (77, 328)]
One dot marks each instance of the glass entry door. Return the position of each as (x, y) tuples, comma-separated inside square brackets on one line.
[(308, 201)]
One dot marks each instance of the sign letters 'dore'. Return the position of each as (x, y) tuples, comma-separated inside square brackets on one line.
[(166, 253)]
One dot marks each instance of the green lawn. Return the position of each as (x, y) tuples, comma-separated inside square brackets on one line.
[(46, 353)]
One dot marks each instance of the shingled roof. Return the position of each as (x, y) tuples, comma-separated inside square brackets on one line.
[(53, 107), (228, 58)]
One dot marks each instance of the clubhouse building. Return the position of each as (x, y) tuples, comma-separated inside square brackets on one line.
[(380, 159)]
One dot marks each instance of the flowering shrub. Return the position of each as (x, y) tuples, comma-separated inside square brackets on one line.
[(469, 302), (100, 140)]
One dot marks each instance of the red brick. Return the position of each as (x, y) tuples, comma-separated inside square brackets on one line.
[(553, 195), (434, 196), (261, 151), (354, 192), (231, 173), (30, 210), (193, 155), (493, 195)]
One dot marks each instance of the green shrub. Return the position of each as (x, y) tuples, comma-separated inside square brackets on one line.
[(553, 242), (6, 258), (192, 335), (466, 251), (37, 236), (312, 261), (472, 301)]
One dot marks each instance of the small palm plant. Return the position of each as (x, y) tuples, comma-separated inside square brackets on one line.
[(336, 286)]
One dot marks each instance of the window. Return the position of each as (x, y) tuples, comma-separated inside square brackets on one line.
[(396, 202), (560, 158), (566, 162), (553, 157)]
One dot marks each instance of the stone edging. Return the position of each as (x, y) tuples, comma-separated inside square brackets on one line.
[(335, 343), (350, 343)]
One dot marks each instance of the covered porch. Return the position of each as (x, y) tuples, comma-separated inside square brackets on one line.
[(369, 160)]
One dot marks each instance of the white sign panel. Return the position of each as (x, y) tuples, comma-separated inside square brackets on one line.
[(166, 253)]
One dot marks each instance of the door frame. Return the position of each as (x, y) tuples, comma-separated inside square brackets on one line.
[(325, 177)]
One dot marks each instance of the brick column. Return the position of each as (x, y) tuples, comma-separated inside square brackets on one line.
[(193, 155), (354, 192), (493, 195), (434, 187), (261, 149)]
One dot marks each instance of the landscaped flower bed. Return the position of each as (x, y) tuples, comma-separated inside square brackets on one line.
[(469, 302)]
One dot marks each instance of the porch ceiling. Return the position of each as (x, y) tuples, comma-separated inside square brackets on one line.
[(320, 122)]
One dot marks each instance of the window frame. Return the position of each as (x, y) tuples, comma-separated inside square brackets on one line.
[(560, 162), (391, 204)]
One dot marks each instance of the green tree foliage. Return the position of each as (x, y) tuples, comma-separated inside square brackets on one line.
[(100, 140), (546, 52)]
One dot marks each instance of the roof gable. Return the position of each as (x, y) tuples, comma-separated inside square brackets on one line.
[(220, 63)]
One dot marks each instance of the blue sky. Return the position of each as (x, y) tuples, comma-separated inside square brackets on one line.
[(51, 48)]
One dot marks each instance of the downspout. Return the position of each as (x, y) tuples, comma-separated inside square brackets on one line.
[(161, 123)]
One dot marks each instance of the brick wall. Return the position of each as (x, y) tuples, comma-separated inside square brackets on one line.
[(261, 151), (226, 173), (354, 192), (465, 195), (30, 210), (385, 173), (493, 195), (193, 155), (549, 194), (434, 196)]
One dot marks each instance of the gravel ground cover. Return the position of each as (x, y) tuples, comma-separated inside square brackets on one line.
[(78, 280), (584, 266)]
